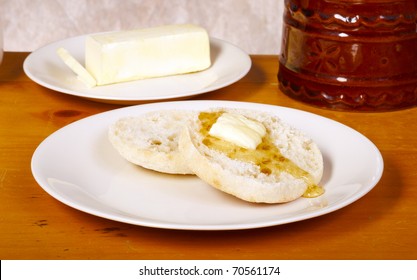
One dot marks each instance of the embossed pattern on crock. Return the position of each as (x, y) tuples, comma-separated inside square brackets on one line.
[(350, 56)]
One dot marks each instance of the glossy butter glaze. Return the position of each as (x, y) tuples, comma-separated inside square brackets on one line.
[(350, 54)]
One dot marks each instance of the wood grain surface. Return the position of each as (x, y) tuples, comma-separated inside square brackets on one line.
[(33, 225)]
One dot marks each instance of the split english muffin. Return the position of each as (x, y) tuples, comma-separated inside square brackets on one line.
[(280, 165)]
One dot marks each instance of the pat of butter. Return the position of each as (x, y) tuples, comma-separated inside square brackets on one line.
[(239, 130), (147, 53), (76, 67)]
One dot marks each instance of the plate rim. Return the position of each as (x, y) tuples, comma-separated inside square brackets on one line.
[(203, 227), (246, 60)]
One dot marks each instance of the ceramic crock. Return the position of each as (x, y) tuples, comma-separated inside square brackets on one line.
[(357, 55)]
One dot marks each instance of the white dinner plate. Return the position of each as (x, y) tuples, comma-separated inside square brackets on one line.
[(79, 167), (229, 64)]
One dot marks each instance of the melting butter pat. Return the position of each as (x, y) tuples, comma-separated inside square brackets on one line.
[(147, 53), (239, 130)]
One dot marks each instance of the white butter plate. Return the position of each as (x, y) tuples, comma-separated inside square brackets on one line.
[(229, 64), (78, 166)]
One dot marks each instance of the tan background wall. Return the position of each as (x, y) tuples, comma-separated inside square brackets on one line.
[(253, 25)]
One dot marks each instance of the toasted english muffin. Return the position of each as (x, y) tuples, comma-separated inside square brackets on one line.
[(287, 163), (151, 140)]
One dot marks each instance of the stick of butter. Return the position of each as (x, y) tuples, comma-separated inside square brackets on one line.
[(147, 53)]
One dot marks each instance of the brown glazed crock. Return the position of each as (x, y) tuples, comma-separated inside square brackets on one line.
[(355, 55)]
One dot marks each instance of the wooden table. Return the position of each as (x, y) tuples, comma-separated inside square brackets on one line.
[(33, 225)]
